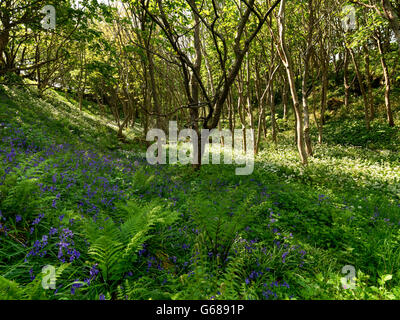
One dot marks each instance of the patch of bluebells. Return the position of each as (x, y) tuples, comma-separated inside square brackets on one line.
[(92, 274), (143, 250), (268, 287), (74, 286), (4, 229), (253, 276), (32, 276), (39, 248), (86, 174), (53, 231), (38, 219), (66, 251)]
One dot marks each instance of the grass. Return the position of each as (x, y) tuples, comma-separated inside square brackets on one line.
[(73, 197)]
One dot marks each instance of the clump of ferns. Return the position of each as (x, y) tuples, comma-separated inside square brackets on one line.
[(115, 246)]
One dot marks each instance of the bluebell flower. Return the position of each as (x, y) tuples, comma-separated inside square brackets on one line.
[(75, 286), (53, 231), (44, 240), (31, 274), (38, 219)]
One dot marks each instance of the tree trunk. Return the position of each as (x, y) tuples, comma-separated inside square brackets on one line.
[(346, 80), (242, 112), (389, 114), (362, 88), (285, 98), (318, 122), (274, 126), (287, 62), (324, 90), (306, 72), (194, 85), (369, 86), (248, 95)]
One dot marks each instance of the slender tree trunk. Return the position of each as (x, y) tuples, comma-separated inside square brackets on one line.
[(287, 62), (285, 98), (156, 103), (194, 111), (318, 122), (274, 126), (324, 90), (389, 114), (4, 38), (362, 88), (346, 80), (261, 112), (369, 86), (259, 126), (248, 94), (82, 78), (232, 117), (307, 57), (241, 111)]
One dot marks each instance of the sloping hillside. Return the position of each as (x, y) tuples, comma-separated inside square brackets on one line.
[(74, 199)]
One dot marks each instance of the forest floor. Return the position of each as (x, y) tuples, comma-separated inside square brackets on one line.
[(74, 198)]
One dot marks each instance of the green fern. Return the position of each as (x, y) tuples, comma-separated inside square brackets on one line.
[(115, 247), (141, 290), (10, 290), (219, 225)]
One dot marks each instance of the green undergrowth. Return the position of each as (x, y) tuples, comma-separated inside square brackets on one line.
[(128, 230)]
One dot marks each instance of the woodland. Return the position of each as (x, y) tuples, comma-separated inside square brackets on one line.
[(85, 216)]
